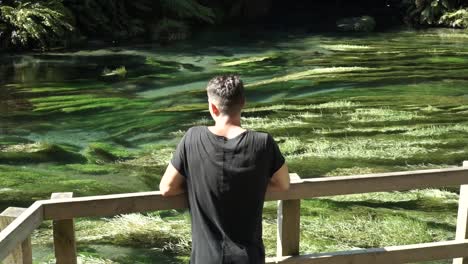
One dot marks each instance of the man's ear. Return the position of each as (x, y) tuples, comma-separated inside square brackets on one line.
[(214, 109)]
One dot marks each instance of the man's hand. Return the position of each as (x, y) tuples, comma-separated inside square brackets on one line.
[(172, 182), (279, 182)]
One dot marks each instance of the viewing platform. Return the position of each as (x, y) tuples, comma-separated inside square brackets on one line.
[(17, 224)]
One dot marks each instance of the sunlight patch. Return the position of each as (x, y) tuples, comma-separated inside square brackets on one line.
[(345, 47), (244, 61), (309, 74)]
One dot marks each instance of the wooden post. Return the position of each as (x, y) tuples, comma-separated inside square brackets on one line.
[(462, 219), (23, 253), (64, 236), (289, 215)]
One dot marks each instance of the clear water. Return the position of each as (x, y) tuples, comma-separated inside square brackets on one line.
[(337, 104)]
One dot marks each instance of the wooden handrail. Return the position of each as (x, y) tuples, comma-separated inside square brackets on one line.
[(385, 255), (20, 229), (108, 205)]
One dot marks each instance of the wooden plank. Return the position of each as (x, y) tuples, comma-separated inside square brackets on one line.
[(381, 182), (114, 204), (288, 224), (386, 255), (22, 253), (294, 178), (289, 214), (20, 229), (64, 236), (107, 205), (462, 219)]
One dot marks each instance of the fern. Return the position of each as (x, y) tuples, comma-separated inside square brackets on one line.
[(35, 23), (188, 9)]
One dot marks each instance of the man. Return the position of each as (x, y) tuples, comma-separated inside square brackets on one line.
[(226, 171)]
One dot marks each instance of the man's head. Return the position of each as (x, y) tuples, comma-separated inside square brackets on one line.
[(225, 95)]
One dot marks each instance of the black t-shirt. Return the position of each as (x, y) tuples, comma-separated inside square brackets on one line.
[(226, 185)]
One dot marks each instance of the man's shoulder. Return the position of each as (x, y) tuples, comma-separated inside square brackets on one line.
[(261, 136), (194, 129)]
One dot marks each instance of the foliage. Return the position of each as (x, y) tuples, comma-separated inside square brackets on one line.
[(170, 29), (457, 18), (34, 23), (122, 19), (187, 9), (436, 12), (109, 17)]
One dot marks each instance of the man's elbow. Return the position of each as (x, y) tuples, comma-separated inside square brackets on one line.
[(284, 187), (169, 190), (278, 186), (165, 190)]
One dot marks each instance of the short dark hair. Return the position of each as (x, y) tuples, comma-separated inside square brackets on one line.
[(228, 92)]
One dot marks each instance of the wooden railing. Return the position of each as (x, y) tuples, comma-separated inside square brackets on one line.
[(62, 209)]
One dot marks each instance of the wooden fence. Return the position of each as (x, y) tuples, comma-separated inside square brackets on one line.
[(18, 223)]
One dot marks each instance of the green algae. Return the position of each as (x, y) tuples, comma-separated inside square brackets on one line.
[(37, 153), (22, 185), (93, 169), (245, 61), (78, 103), (308, 74), (382, 115), (99, 152)]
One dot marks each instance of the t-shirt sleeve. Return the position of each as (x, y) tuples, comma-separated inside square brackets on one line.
[(276, 158), (179, 157)]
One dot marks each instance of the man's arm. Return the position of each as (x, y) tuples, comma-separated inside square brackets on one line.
[(280, 180), (172, 182)]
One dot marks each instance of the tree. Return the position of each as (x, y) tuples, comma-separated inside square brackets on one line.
[(34, 23)]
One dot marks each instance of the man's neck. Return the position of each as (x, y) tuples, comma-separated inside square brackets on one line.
[(224, 122), (227, 126)]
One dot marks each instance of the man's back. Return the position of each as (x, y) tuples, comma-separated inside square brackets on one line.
[(226, 183)]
